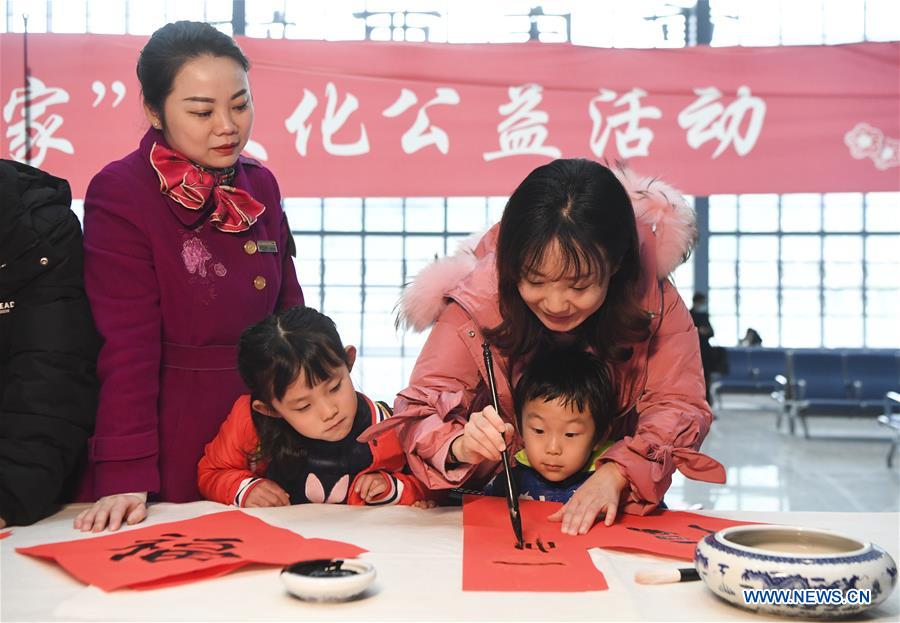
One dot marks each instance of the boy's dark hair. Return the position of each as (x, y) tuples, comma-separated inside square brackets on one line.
[(173, 45), (576, 376), (271, 354)]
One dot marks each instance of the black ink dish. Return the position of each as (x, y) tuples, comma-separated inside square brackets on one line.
[(328, 579)]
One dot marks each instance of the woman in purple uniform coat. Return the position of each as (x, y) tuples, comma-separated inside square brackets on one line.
[(186, 245)]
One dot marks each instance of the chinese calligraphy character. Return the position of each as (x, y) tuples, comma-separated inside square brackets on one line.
[(256, 150), (42, 131), (633, 140), (415, 138), (333, 121), (198, 549), (523, 131), (707, 119), (297, 122), (543, 547)]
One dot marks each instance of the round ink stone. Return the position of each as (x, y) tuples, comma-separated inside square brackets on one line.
[(328, 579)]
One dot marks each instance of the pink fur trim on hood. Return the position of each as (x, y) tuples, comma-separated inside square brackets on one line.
[(423, 299), (656, 204), (668, 214)]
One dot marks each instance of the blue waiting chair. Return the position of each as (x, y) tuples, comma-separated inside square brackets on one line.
[(891, 419), (750, 371), (872, 374), (832, 382)]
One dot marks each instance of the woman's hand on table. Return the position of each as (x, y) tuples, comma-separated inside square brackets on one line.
[(266, 494), (111, 511), (484, 437), (601, 493)]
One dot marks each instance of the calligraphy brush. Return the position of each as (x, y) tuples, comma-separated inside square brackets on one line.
[(667, 576), (512, 493)]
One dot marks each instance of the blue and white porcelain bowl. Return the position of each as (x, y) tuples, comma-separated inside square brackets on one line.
[(795, 571)]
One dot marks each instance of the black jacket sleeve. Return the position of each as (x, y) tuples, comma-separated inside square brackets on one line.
[(48, 345)]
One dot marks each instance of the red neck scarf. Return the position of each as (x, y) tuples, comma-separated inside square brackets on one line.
[(191, 186)]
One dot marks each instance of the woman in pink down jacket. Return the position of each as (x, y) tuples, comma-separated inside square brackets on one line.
[(581, 254)]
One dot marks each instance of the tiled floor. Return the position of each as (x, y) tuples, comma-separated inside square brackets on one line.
[(841, 468)]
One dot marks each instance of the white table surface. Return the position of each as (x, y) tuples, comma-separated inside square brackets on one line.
[(418, 558)]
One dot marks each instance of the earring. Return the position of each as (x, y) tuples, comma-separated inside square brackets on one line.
[(156, 125)]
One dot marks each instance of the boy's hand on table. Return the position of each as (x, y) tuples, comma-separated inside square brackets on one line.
[(601, 493)]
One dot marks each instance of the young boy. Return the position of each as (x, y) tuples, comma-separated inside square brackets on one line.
[(564, 406)]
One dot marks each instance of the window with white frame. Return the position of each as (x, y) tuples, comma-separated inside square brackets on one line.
[(806, 270)]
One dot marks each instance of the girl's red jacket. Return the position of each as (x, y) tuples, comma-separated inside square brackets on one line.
[(227, 472)]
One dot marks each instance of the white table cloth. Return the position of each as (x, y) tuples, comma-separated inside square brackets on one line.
[(418, 558)]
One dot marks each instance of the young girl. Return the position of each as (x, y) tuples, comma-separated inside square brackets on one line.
[(293, 438), (581, 255), (185, 245), (565, 403)]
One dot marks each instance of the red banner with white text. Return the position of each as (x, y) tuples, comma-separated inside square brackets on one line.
[(403, 119)]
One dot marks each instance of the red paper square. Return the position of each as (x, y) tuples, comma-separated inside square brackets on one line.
[(666, 533), (184, 551), (551, 561)]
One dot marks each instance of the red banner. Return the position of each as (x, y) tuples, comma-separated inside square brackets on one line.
[(403, 119)]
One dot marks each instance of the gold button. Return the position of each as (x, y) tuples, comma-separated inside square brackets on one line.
[(43, 261), (250, 247), (259, 282)]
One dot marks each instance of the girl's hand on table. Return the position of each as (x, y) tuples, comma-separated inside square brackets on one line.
[(111, 510), (265, 494), (372, 486)]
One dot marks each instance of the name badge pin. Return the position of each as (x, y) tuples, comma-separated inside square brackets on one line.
[(266, 246)]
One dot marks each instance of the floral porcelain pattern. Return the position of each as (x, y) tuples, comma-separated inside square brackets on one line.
[(728, 570)]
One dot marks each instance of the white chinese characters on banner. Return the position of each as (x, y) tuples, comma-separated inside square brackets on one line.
[(416, 137), (334, 119), (633, 140), (43, 128), (706, 119), (524, 130), (256, 150), (117, 87)]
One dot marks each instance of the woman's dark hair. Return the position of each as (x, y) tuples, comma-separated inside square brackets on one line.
[(576, 376), (170, 47), (582, 206), (271, 354)]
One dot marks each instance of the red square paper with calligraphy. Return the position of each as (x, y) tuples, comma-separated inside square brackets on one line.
[(667, 533), (184, 551), (550, 560)]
